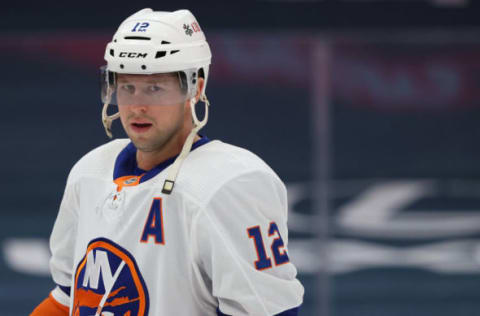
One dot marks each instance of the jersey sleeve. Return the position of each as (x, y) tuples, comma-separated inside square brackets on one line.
[(51, 307), (62, 241), (241, 241)]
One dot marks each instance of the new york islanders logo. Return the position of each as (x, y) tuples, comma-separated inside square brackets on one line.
[(108, 283)]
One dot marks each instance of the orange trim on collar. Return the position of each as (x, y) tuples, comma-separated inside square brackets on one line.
[(127, 181)]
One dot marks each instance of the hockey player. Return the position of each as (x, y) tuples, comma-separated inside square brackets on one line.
[(168, 222)]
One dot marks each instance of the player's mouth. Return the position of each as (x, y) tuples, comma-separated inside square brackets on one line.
[(140, 127)]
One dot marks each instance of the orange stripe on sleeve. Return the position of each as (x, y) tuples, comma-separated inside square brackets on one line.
[(50, 307)]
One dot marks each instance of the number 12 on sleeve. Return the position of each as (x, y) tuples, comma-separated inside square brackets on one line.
[(279, 253)]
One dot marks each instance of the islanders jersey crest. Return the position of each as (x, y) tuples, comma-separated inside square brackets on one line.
[(108, 283)]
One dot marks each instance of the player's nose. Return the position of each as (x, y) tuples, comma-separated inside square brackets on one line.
[(138, 107)]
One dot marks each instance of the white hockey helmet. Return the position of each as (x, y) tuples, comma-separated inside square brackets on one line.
[(151, 42)]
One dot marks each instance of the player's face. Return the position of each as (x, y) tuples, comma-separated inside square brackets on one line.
[(152, 109)]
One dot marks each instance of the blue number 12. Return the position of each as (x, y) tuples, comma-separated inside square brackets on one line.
[(280, 255), (142, 28)]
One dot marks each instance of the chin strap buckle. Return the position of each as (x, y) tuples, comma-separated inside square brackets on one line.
[(168, 186)]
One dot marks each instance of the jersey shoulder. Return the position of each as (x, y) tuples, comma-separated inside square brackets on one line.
[(217, 164), (99, 162)]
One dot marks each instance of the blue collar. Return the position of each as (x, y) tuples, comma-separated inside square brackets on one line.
[(126, 162)]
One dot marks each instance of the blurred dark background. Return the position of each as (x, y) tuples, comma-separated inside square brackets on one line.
[(368, 110), (250, 14)]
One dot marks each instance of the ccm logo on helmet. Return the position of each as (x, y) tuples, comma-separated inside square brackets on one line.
[(132, 55)]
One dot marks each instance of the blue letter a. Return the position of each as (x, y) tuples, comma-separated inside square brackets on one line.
[(154, 224)]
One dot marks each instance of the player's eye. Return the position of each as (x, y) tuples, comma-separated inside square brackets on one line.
[(155, 88), (128, 88)]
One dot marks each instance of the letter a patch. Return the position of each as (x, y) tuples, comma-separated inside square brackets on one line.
[(154, 224)]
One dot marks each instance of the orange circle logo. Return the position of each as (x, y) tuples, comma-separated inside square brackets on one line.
[(108, 282)]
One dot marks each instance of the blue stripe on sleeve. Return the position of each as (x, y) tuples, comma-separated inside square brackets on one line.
[(290, 312), (65, 289)]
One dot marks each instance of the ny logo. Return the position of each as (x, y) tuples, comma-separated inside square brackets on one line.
[(96, 266)]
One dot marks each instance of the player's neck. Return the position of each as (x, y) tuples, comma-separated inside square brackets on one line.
[(149, 160)]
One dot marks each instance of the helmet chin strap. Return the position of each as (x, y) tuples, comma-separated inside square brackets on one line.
[(107, 120), (187, 146)]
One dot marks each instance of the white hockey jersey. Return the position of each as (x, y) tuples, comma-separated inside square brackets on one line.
[(217, 244)]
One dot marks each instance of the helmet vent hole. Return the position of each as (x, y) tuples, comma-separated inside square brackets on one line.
[(122, 66), (164, 42), (142, 38), (160, 54), (144, 67), (174, 52), (111, 53)]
